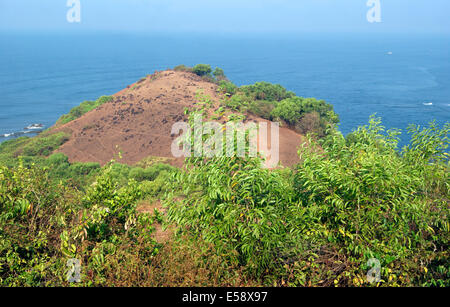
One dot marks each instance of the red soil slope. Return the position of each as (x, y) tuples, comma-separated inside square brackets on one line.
[(138, 122)]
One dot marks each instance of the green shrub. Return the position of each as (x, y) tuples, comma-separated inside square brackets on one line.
[(157, 187), (43, 224), (149, 174), (202, 69), (183, 68), (262, 108), (266, 91), (208, 78), (28, 210), (58, 159), (372, 202), (273, 102), (32, 150), (237, 102), (350, 200), (84, 169), (305, 114), (289, 110), (227, 87), (120, 172), (219, 74), (75, 174), (237, 206), (44, 145), (10, 150)]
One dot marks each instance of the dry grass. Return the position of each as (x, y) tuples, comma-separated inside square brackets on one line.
[(178, 264)]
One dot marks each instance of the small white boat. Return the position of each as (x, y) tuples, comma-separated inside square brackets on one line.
[(390, 53), (427, 103)]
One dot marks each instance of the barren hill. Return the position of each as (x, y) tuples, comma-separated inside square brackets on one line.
[(139, 119)]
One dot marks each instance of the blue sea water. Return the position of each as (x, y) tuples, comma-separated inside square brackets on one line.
[(43, 76)]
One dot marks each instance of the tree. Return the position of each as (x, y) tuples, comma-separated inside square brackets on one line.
[(219, 74), (202, 69)]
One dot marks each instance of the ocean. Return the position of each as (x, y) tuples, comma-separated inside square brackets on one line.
[(402, 78)]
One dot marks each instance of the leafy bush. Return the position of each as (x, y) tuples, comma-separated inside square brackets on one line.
[(311, 122), (77, 174), (266, 91), (122, 172), (227, 87), (351, 199), (183, 68), (35, 150), (45, 145), (202, 69), (44, 224), (10, 150), (289, 110), (371, 202), (157, 187), (83, 169), (27, 241), (273, 102), (149, 174), (208, 78), (306, 113), (237, 102), (219, 74), (237, 206), (205, 71), (32, 150)]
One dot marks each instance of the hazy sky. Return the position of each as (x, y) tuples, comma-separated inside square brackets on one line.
[(417, 16)]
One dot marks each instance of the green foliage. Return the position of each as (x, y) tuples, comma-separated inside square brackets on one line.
[(10, 150), (428, 144), (82, 109), (183, 68), (151, 173), (157, 187), (273, 102), (219, 74), (44, 146), (122, 172), (351, 199), (152, 160), (32, 150), (77, 174), (237, 206), (237, 102), (289, 110), (27, 207), (205, 71), (227, 87), (371, 202), (42, 225), (112, 201), (294, 111), (202, 69), (37, 151), (266, 91), (262, 108)]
